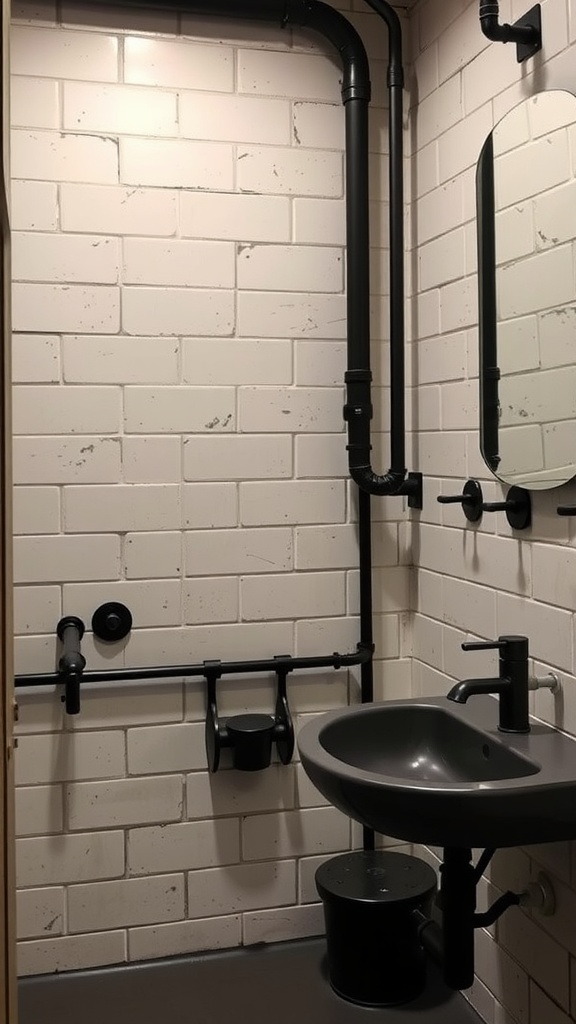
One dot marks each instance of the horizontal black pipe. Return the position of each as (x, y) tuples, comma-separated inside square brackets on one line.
[(287, 663), (430, 936)]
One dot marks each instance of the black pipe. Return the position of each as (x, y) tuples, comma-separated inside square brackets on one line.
[(71, 664), (366, 619), (430, 936), (356, 96), (492, 29), (483, 862), (363, 653), (458, 905), (508, 899), (358, 410)]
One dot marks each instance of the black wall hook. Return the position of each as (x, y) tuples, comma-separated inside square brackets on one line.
[(517, 506), (112, 621), (250, 736), (72, 662), (471, 500)]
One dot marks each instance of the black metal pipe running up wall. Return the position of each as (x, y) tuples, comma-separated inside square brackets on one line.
[(356, 96), (330, 23)]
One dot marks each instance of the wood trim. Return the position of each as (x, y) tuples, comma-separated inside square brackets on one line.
[(7, 706)]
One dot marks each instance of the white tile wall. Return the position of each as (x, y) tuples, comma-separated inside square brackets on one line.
[(484, 581), (180, 324)]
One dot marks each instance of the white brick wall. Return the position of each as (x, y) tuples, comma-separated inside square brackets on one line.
[(483, 581), (180, 317)]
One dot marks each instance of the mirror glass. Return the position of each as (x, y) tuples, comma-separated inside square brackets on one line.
[(526, 194)]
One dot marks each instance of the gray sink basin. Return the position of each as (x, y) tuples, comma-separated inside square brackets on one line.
[(436, 772)]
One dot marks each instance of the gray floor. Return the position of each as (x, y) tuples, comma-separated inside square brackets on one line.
[(277, 984)]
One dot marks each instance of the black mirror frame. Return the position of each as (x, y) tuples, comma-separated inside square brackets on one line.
[(487, 322)]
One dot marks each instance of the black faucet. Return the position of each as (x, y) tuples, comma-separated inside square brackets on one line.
[(511, 684)]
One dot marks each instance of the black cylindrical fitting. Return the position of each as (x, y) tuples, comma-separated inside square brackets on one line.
[(72, 662), (250, 737), (70, 631), (514, 700)]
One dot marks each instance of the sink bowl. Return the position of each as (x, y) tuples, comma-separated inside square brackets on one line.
[(440, 773)]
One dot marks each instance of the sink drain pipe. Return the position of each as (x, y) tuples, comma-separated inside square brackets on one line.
[(450, 941)]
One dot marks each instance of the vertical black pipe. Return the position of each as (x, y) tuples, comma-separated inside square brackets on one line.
[(396, 163), (397, 316), (458, 902), (357, 235), (366, 630)]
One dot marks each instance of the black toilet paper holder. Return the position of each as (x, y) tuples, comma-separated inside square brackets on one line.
[(250, 736)]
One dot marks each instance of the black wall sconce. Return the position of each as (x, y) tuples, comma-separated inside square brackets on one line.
[(250, 735), (526, 32)]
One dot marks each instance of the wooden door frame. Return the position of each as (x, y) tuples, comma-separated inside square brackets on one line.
[(7, 706)]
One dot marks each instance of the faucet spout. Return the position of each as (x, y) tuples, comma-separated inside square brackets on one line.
[(469, 687)]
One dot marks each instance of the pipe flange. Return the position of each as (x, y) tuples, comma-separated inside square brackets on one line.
[(112, 622)]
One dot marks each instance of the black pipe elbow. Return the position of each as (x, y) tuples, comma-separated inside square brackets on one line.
[(392, 482), (490, 22), (526, 32), (389, 15), (337, 29), (494, 31)]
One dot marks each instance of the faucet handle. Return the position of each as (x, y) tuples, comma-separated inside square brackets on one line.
[(515, 646), (484, 645)]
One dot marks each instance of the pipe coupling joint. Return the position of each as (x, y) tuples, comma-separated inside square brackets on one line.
[(352, 376), (396, 77), (489, 9), (356, 411)]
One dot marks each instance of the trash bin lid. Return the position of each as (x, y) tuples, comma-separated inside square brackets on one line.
[(375, 876)]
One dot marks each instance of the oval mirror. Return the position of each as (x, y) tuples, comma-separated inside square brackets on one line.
[(526, 203)]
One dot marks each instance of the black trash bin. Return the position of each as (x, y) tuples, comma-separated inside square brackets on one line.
[(374, 954)]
